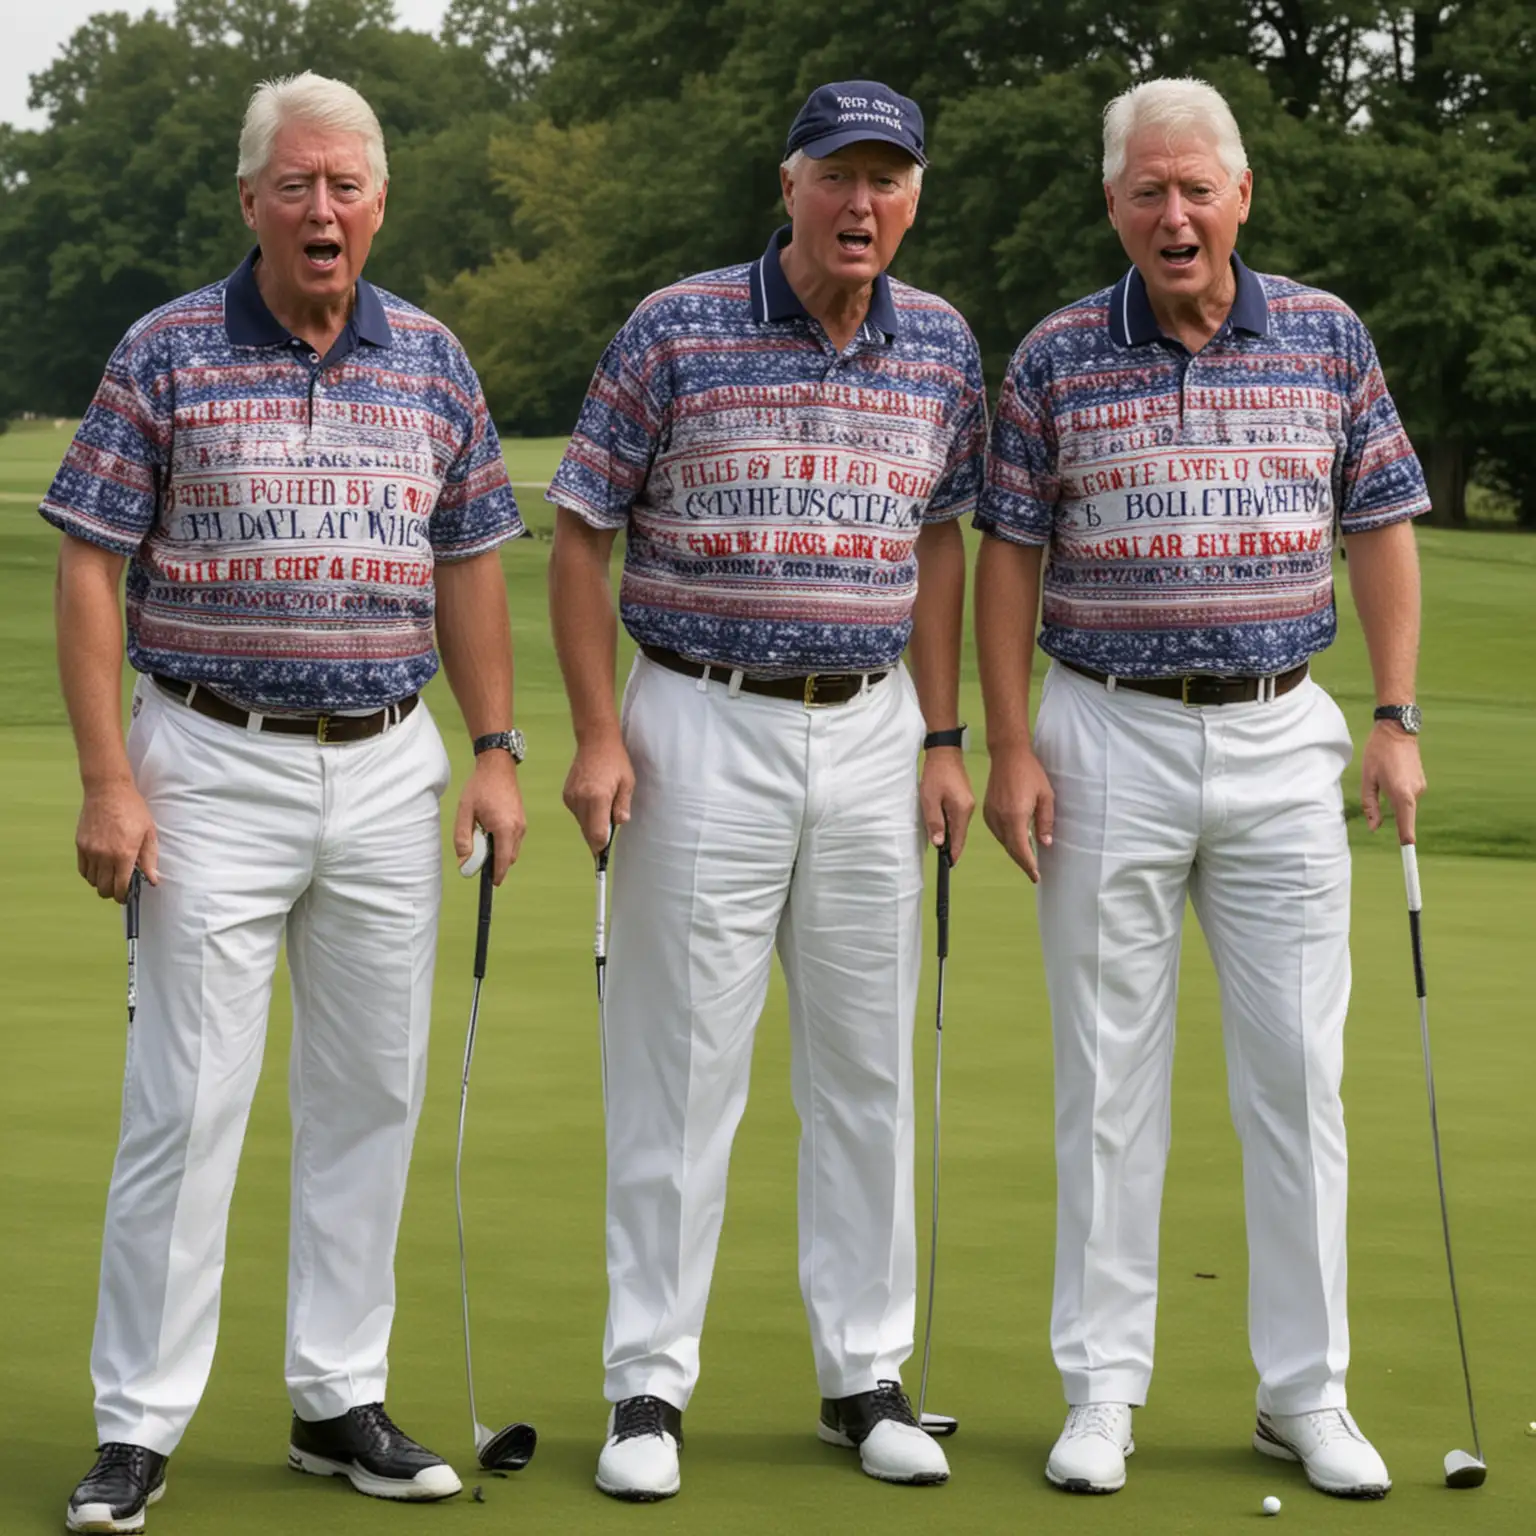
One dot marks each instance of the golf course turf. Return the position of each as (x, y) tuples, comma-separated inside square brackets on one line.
[(534, 1173)]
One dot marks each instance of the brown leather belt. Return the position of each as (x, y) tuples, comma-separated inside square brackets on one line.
[(813, 689), (324, 728), (1200, 689)]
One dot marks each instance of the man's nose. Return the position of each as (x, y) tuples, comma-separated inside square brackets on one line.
[(861, 195), (1173, 209), (320, 203)]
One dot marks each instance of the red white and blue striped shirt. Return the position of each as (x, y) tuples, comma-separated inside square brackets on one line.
[(772, 489), (1190, 502), (282, 512)]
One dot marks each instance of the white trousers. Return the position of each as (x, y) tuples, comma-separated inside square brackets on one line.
[(758, 822), (1240, 808), (338, 847)]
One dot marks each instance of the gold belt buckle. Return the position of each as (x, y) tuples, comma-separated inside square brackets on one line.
[(322, 725), (1184, 683), (810, 691)]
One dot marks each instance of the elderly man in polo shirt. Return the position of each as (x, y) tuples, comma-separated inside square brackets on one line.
[(787, 444), (1186, 443), (301, 476)]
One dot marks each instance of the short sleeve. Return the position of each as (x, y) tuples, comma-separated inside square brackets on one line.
[(107, 490), (1381, 481), (1018, 500), (617, 434), (959, 487), (475, 509)]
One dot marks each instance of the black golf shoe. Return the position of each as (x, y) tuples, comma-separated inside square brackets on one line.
[(365, 1446), (114, 1494), (881, 1425)]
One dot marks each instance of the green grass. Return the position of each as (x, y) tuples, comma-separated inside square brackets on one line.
[(534, 1197)]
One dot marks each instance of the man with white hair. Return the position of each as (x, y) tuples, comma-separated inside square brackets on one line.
[(301, 476), (1186, 443), (787, 444)]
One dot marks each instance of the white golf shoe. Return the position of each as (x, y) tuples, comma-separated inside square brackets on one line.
[(639, 1459), (1089, 1454), (1337, 1458), (885, 1431)]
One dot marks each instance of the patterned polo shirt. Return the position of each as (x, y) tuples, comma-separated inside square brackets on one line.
[(282, 512), (773, 488), (1191, 502)]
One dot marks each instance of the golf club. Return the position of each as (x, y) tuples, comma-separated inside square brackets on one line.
[(938, 1425), (1461, 1470), (509, 1449), (131, 929)]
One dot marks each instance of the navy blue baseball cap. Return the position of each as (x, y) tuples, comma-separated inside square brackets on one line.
[(851, 112)]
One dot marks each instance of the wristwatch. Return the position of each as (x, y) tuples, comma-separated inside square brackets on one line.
[(1409, 716), (511, 740), (960, 737)]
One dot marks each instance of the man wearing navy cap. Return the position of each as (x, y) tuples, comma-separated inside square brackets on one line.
[(787, 444)]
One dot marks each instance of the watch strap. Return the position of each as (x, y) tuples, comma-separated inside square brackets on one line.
[(955, 737)]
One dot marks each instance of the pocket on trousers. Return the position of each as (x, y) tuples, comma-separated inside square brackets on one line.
[(147, 733)]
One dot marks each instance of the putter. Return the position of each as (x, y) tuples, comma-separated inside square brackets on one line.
[(131, 929), (1461, 1470), (509, 1449), (939, 1425)]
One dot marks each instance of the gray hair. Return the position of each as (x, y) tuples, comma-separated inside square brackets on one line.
[(1179, 107), (309, 98), (792, 165)]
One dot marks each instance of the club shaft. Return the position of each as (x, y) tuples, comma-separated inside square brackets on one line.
[(1416, 940), (933, 1230), (458, 1200), (941, 906), (1445, 1225), (487, 896)]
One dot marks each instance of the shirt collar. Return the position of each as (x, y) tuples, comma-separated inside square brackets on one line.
[(773, 298), (1132, 323), (249, 323)]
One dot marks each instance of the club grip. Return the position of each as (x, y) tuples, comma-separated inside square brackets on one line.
[(131, 906), (945, 864), (1411, 878), (487, 893)]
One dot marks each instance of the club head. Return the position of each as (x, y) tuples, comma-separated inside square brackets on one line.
[(508, 1450), (1464, 1471), (940, 1425)]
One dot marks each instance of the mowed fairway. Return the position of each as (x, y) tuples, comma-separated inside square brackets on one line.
[(535, 1176)]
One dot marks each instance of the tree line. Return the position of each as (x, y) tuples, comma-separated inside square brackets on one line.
[(552, 161)]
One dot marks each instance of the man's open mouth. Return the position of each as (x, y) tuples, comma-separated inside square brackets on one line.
[(322, 253), (1179, 255), (855, 240)]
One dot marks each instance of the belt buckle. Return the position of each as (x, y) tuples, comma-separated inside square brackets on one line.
[(322, 727), (1184, 683), (810, 691)]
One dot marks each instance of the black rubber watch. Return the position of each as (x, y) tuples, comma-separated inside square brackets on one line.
[(1409, 716), (511, 741), (960, 737)]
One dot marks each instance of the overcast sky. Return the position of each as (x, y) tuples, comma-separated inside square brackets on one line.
[(33, 31)]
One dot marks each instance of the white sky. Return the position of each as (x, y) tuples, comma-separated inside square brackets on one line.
[(33, 31)]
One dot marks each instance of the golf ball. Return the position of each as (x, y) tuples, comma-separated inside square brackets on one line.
[(1530, 1428), (1271, 1505)]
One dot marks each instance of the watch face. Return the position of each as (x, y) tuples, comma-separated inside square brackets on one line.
[(1412, 718), (516, 745)]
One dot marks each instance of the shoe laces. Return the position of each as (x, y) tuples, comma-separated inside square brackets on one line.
[(115, 1453), (888, 1401), (639, 1416), (372, 1418), (1101, 1419), (1330, 1424)]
